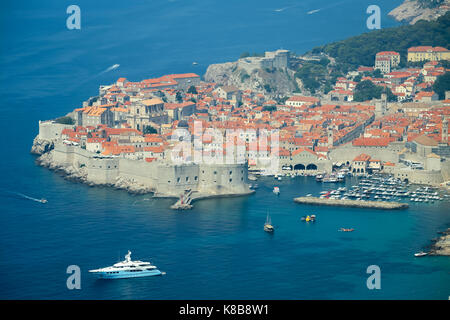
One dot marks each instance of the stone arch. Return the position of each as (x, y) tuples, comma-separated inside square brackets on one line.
[(311, 166), (299, 166)]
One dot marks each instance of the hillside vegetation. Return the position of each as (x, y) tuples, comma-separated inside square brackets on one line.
[(361, 50)]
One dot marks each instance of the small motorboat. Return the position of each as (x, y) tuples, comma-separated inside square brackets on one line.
[(311, 218), (268, 227), (420, 254), (276, 190), (195, 63), (43, 200), (346, 230)]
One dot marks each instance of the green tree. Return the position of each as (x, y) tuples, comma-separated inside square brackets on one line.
[(269, 108), (366, 90), (324, 61), (179, 97), (377, 73), (149, 130), (430, 3), (192, 90), (442, 84), (312, 75), (65, 120)]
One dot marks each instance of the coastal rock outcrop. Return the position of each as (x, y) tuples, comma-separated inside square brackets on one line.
[(68, 172), (41, 146), (132, 186), (273, 82), (442, 246), (411, 11)]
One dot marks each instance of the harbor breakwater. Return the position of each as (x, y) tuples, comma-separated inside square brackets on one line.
[(352, 203)]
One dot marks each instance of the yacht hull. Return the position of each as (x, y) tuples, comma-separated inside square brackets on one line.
[(128, 274)]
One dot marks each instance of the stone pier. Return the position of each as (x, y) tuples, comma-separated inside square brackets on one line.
[(352, 203)]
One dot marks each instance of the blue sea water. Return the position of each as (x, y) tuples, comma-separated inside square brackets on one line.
[(217, 250)]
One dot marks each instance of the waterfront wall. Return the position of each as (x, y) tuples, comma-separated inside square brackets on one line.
[(349, 152), (164, 178), (419, 176), (50, 130)]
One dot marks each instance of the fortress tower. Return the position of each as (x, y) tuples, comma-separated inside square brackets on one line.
[(330, 137), (445, 131), (381, 106)]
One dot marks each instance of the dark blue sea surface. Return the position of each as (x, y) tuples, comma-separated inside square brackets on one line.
[(218, 249)]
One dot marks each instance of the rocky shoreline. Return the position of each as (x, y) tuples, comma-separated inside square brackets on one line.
[(410, 11), (441, 246), (41, 146), (80, 175), (44, 148), (260, 80)]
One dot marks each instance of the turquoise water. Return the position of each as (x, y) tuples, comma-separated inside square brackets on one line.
[(217, 250)]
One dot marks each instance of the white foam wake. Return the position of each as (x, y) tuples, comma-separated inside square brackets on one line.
[(113, 67)]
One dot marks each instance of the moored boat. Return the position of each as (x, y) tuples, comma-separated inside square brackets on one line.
[(420, 254), (346, 230)]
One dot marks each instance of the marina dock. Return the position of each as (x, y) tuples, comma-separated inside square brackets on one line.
[(352, 203)]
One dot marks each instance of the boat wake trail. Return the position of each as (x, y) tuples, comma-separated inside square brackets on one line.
[(113, 67), (24, 196), (313, 11)]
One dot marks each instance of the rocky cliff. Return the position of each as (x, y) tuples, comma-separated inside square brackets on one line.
[(412, 11), (41, 146), (442, 245), (273, 83)]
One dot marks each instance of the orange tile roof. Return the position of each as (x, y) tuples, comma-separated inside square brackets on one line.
[(362, 157)]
